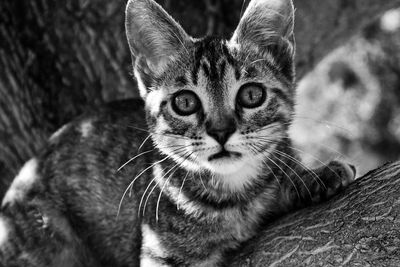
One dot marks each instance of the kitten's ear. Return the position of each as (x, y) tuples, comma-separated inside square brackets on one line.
[(154, 37), (267, 24)]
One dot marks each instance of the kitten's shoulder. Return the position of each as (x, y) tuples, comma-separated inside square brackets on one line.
[(97, 121), (101, 139)]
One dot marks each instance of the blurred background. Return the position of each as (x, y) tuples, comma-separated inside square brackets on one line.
[(349, 105), (61, 58)]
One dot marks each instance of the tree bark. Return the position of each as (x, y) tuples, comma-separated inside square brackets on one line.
[(358, 227)]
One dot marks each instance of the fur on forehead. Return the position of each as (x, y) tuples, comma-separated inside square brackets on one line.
[(202, 72)]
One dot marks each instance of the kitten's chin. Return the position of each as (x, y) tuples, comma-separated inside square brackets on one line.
[(225, 166), (224, 162), (232, 165), (234, 174)]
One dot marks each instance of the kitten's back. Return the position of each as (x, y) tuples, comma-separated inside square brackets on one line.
[(78, 174)]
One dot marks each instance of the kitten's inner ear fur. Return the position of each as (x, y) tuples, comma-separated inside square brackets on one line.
[(266, 24), (154, 37)]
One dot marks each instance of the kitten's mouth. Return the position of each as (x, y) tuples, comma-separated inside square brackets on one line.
[(224, 154)]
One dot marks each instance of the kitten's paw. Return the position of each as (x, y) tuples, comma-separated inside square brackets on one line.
[(336, 176)]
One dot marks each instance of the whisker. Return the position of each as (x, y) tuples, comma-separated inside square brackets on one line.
[(201, 180), (174, 146), (298, 176), (144, 141), (316, 177), (296, 161), (327, 123), (154, 187), (175, 167), (148, 196), (269, 126), (258, 60), (311, 155), (276, 178), (135, 157), (180, 189), (265, 137), (161, 191), (266, 141), (162, 134), (313, 174), (294, 185), (151, 191), (133, 181), (177, 150), (320, 144)]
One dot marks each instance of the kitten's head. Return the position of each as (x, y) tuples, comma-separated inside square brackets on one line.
[(215, 105)]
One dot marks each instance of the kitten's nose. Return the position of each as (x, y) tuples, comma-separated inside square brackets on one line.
[(221, 131)]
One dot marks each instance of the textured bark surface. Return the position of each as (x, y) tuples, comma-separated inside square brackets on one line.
[(358, 227)]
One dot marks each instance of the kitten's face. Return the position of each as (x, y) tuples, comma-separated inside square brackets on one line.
[(220, 109), (215, 105)]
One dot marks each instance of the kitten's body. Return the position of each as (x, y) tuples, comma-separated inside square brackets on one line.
[(87, 202), (65, 208)]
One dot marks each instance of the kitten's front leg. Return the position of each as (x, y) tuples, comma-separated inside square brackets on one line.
[(313, 186)]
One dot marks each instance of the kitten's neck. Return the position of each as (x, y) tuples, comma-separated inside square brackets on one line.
[(203, 190)]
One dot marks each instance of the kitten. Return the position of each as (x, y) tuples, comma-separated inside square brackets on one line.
[(213, 163)]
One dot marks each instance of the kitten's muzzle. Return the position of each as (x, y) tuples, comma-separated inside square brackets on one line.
[(221, 130)]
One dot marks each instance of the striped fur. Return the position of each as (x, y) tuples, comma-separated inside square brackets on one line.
[(186, 189)]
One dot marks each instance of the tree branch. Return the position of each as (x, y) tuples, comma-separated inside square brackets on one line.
[(358, 227)]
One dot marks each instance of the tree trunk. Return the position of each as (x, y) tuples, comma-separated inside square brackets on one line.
[(358, 227)]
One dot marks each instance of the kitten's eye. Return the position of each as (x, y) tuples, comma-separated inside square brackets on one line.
[(251, 96), (185, 103)]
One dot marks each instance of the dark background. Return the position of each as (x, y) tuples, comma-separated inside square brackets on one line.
[(60, 58)]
